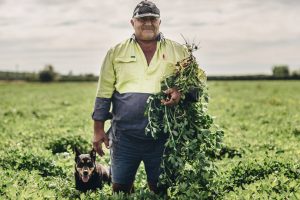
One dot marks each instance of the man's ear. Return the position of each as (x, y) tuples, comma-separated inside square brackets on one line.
[(132, 22), (93, 154), (159, 21)]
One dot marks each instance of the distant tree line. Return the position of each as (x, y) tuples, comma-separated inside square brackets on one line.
[(279, 72), (48, 74)]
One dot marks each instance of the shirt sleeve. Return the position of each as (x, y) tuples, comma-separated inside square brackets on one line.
[(107, 77), (202, 75), (105, 89), (101, 109)]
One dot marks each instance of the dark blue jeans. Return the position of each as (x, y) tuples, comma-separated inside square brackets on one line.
[(127, 152)]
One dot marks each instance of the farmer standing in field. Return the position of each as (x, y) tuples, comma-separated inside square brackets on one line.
[(130, 73)]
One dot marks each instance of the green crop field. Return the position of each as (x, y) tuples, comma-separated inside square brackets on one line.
[(39, 123)]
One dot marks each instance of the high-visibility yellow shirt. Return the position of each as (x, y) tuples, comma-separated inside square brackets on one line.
[(125, 67), (126, 81)]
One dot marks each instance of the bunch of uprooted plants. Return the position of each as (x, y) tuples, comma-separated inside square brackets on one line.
[(193, 138)]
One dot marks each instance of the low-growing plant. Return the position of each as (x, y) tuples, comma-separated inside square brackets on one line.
[(271, 136), (62, 144), (21, 159), (245, 173), (228, 152)]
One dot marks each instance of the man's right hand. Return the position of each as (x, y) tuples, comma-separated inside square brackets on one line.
[(99, 137)]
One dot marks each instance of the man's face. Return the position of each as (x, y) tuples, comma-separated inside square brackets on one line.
[(146, 28)]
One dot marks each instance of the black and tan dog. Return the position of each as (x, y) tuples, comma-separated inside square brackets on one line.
[(88, 174)]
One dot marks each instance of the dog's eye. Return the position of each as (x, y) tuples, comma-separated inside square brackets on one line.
[(90, 165), (80, 165)]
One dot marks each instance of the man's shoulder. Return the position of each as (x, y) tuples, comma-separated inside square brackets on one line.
[(174, 44), (120, 48), (167, 40), (122, 44), (177, 48)]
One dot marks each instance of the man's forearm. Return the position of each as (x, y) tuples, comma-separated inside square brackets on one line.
[(98, 127), (99, 137)]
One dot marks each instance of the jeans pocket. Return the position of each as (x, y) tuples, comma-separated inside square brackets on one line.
[(114, 135)]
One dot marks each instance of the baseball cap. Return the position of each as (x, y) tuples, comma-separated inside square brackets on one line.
[(146, 9)]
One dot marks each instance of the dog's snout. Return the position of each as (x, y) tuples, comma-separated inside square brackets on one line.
[(85, 173)]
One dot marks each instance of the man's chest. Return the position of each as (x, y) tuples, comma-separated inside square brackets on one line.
[(137, 73), (149, 53)]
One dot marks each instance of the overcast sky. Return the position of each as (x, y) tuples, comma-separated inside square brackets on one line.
[(236, 36)]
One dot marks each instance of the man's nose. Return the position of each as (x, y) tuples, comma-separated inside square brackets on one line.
[(148, 22)]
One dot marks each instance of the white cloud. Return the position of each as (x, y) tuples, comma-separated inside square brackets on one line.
[(236, 37)]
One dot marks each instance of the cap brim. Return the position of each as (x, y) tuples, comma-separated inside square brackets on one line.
[(146, 15)]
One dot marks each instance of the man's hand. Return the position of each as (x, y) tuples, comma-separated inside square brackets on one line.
[(99, 137), (173, 97)]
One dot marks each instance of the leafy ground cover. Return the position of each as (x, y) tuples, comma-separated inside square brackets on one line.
[(39, 124)]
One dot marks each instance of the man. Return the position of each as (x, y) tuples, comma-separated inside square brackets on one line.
[(130, 73)]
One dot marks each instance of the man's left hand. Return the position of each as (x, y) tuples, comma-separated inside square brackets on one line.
[(173, 97)]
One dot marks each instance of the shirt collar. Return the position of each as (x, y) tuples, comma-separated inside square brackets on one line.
[(160, 37)]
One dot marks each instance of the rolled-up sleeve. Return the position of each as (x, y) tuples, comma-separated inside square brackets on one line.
[(101, 109), (105, 89)]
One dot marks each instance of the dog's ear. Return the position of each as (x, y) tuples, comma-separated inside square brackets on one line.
[(93, 154), (77, 153)]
